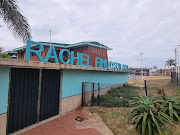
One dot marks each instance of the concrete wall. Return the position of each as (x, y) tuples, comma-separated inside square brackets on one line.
[(4, 87), (72, 80), (3, 118), (70, 103)]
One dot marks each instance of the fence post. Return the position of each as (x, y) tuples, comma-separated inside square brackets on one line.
[(177, 78), (82, 94), (39, 95), (93, 96), (145, 87), (98, 94)]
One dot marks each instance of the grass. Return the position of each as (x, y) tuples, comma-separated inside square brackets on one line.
[(118, 97), (114, 117), (156, 82)]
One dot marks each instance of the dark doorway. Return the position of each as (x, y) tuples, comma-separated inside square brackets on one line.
[(50, 87), (23, 98)]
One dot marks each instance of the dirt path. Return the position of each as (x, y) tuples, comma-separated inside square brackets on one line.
[(95, 121)]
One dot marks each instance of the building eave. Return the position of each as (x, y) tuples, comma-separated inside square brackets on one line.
[(64, 46)]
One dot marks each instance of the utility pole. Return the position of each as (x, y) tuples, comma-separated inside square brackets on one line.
[(175, 59), (149, 68), (50, 37), (178, 61), (141, 65)]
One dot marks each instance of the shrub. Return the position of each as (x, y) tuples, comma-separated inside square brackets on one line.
[(117, 97), (148, 117), (4, 55), (172, 107), (112, 101)]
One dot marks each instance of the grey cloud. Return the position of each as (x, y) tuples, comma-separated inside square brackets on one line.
[(128, 26)]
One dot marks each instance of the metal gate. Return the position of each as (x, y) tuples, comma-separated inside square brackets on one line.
[(30, 102), (50, 87), (90, 94), (23, 98)]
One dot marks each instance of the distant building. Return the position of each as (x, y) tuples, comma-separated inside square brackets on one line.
[(137, 71)]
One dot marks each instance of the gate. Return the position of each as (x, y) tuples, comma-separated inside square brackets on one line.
[(50, 87), (90, 93), (23, 98), (30, 102)]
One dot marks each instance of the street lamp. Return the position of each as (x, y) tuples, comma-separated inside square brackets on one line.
[(177, 66), (141, 64), (149, 68)]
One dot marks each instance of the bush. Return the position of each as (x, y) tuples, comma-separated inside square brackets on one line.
[(148, 117), (117, 97), (4, 55), (172, 107)]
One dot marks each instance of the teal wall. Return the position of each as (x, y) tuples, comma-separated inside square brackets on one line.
[(4, 86), (72, 80)]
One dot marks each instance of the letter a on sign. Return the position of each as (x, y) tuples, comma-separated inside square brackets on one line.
[(49, 54)]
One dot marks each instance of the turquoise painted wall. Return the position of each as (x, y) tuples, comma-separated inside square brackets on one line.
[(72, 80), (4, 86)]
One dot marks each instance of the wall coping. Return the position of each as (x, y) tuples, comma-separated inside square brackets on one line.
[(48, 65)]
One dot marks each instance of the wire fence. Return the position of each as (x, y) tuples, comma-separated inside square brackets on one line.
[(91, 92)]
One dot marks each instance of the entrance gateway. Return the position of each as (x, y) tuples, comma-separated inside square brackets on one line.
[(33, 97)]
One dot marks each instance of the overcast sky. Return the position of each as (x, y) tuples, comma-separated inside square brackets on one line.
[(130, 27)]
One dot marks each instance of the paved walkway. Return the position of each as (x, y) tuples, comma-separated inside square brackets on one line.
[(64, 125)]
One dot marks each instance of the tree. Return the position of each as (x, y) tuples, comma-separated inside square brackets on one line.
[(16, 22), (170, 62), (4, 55), (155, 67), (1, 49)]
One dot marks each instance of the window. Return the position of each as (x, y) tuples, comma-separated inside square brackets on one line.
[(92, 51), (95, 52), (57, 52), (33, 54), (103, 54), (98, 53), (22, 54), (65, 56)]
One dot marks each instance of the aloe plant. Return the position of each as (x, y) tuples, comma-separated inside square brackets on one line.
[(172, 107), (148, 117)]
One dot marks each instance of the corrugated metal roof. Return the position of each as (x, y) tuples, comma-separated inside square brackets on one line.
[(62, 45), (10, 52)]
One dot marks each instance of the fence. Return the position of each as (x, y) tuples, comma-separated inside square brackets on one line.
[(174, 79), (91, 92)]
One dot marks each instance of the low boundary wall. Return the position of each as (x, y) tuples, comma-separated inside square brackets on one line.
[(71, 83), (70, 103)]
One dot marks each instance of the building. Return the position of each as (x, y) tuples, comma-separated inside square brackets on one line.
[(137, 71), (32, 91), (93, 49)]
